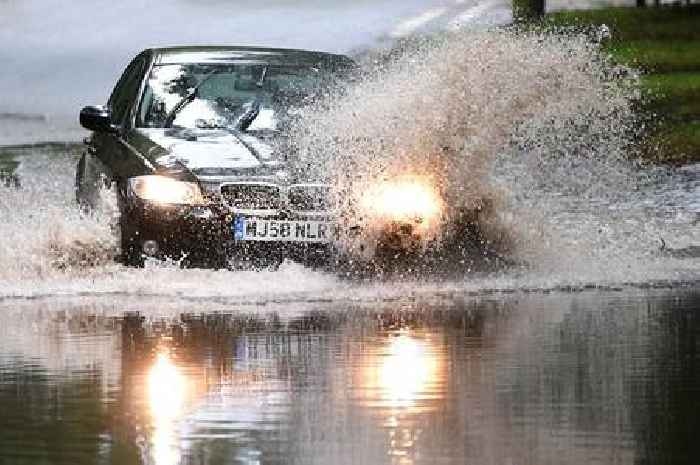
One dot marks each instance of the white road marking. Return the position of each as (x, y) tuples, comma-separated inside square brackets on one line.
[(468, 15), (409, 26)]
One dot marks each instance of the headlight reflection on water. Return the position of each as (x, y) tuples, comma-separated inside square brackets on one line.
[(403, 380), (406, 372), (166, 396)]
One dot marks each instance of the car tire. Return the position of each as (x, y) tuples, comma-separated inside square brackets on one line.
[(131, 254)]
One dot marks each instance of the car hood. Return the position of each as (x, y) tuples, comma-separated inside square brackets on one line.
[(216, 152)]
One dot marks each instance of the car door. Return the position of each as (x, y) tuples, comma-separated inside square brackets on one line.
[(114, 149)]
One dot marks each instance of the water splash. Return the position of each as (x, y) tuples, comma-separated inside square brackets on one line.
[(540, 127), (43, 233)]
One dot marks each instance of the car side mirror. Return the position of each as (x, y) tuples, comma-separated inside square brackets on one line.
[(97, 118)]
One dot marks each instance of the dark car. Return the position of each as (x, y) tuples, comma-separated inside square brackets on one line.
[(194, 138), (197, 141)]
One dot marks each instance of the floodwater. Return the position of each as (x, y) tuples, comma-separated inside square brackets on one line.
[(582, 350), (505, 378)]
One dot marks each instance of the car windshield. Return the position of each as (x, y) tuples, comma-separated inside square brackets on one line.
[(241, 96)]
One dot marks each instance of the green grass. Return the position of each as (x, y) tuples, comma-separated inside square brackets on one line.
[(659, 56), (674, 85), (668, 23), (674, 143), (676, 96), (665, 44)]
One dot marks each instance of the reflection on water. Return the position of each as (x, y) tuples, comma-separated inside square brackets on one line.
[(561, 378), (166, 392), (399, 379), (406, 370)]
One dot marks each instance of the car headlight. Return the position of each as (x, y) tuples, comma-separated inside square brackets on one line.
[(166, 190), (403, 199)]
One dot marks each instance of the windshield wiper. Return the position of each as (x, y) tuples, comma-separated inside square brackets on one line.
[(244, 121), (184, 101)]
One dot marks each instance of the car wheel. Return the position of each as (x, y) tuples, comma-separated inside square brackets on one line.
[(89, 179), (131, 254)]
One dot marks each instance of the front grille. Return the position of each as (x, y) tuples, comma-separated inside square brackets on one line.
[(309, 198), (251, 196)]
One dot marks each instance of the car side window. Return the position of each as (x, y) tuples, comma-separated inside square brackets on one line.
[(126, 90)]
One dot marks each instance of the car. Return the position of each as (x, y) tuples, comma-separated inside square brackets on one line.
[(196, 142)]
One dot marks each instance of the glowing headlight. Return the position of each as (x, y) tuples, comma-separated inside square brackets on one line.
[(403, 199), (162, 189)]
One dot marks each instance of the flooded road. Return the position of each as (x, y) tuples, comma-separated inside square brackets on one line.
[(527, 378), (582, 350)]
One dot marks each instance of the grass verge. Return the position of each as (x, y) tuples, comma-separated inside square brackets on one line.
[(665, 44)]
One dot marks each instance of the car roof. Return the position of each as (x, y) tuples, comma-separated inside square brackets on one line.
[(245, 54)]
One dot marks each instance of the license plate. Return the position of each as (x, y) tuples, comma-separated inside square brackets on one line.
[(256, 229)]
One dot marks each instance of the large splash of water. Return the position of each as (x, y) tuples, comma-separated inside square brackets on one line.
[(43, 233), (540, 127)]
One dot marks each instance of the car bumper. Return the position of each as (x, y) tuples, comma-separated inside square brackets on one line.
[(206, 235)]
